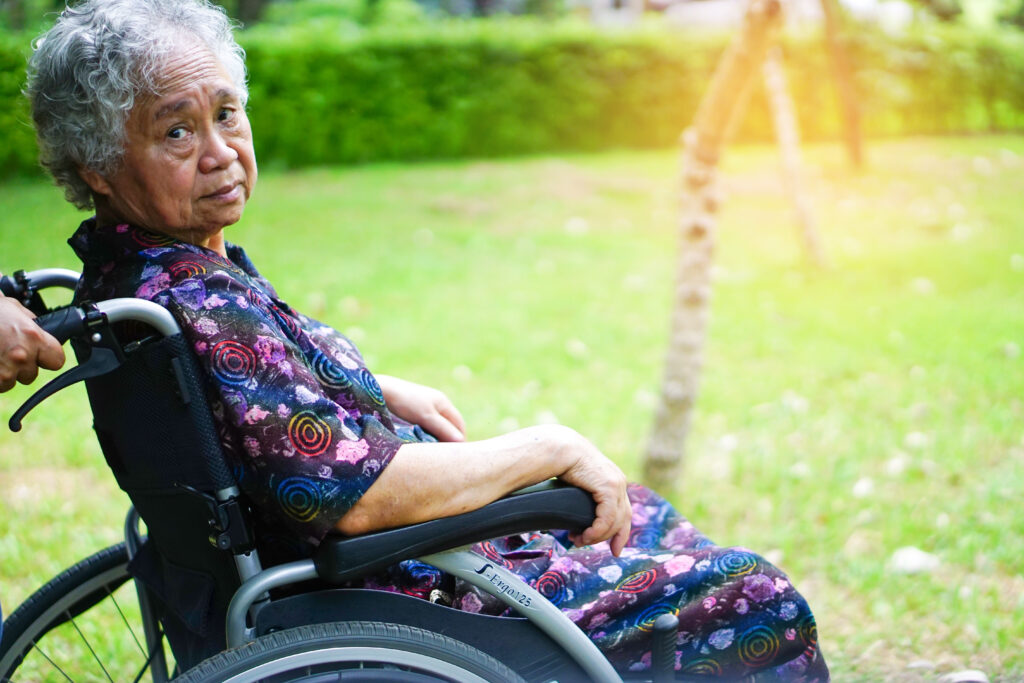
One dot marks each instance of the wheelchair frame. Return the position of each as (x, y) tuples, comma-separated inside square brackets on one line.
[(442, 543)]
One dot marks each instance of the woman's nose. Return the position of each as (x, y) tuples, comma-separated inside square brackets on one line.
[(217, 153)]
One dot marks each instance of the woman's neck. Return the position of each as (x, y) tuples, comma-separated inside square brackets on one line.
[(212, 241)]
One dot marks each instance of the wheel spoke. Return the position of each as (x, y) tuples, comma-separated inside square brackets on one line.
[(149, 660), (138, 644), (89, 645), (56, 666)]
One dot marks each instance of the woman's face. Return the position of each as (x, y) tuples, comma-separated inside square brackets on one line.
[(189, 165)]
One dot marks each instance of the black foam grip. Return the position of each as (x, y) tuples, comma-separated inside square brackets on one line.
[(63, 323)]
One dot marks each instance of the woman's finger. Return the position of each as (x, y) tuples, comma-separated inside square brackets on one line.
[(452, 414), (441, 428)]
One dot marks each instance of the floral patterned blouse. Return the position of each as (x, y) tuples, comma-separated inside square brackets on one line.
[(302, 419)]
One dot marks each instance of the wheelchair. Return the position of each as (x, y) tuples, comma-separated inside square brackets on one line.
[(208, 608)]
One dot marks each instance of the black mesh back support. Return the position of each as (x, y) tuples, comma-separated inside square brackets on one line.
[(155, 428)]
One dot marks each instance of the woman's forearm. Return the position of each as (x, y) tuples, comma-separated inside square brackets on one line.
[(430, 480)]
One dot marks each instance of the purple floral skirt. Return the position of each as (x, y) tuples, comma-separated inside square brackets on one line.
[(739, 616)]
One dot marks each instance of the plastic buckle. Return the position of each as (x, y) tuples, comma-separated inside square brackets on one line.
[(228, 528)]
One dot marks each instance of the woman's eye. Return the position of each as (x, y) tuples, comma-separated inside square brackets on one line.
[(226, 115), (177, 133)]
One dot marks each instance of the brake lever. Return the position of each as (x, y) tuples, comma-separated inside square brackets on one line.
[(105, 354)]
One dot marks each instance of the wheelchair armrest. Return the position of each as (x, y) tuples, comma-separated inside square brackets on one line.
[(547, 506)]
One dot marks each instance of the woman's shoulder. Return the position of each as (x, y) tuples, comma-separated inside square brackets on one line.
[(127, 261)]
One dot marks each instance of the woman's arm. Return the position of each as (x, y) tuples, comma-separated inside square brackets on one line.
[(429, 480)]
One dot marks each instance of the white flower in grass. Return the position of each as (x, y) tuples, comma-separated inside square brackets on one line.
[(863, 488), (546, 417), (423, 237), (916, 440), (576, 348), (577, 226), (800, 470), (922, 286), (1008, 157), (1011, 350), (911, 560), (896, 465), (965, 676), (508, 424), (634, 282), (645, 398), (462, 373), (983, 166), (350, 305), (1017, 262), (728, 442), (794, 402), (961, 232)]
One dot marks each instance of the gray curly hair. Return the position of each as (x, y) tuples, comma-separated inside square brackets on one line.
[(86, 73)]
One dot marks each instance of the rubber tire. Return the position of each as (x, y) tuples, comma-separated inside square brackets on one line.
[(351, 634), (90, 581)]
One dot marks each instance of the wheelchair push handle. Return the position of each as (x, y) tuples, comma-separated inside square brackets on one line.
[(63, 323), (25, 285), (100, 352)]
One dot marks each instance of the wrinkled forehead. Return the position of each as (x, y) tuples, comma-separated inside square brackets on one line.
[(184, 66), (179, 59)]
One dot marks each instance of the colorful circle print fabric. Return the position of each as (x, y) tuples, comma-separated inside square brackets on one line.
[(308, 431)]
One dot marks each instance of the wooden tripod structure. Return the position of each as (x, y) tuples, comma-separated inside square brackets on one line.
[(754, 46)]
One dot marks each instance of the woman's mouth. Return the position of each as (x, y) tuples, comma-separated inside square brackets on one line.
[(226, 193)]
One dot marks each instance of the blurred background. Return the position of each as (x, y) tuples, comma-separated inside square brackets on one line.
[(485, 196)]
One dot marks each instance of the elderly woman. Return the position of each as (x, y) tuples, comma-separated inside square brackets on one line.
[(139, 107)]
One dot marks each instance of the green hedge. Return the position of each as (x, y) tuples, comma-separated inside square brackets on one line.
[(17, 138), (509, 87)]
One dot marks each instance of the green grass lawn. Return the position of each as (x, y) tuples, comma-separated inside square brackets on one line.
[(845, 413)]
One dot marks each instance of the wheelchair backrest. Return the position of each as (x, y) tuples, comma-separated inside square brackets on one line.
[(157, 433)]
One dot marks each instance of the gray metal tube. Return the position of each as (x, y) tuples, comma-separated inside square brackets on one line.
[(511, 589), (53, 277), (150, 624), (144, 311), (253, 589)]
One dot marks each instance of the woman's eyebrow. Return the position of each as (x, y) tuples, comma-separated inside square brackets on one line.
[(172, 108), (185, 102)]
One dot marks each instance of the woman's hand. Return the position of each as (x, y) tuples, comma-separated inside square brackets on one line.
[(427, 407), (24, 346), (592, 471)]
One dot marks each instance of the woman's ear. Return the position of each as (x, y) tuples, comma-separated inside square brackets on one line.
[(96, 182)]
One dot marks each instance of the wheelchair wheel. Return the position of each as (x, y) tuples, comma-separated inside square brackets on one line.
[(357, 651), (84, 624)]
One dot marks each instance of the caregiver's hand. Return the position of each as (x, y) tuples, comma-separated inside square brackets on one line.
[(24, 346), (427, 407)]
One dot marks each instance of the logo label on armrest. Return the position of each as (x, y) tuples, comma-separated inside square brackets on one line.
[(488, 572)]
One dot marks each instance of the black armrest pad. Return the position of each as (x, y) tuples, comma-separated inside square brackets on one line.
[(555, 506)]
